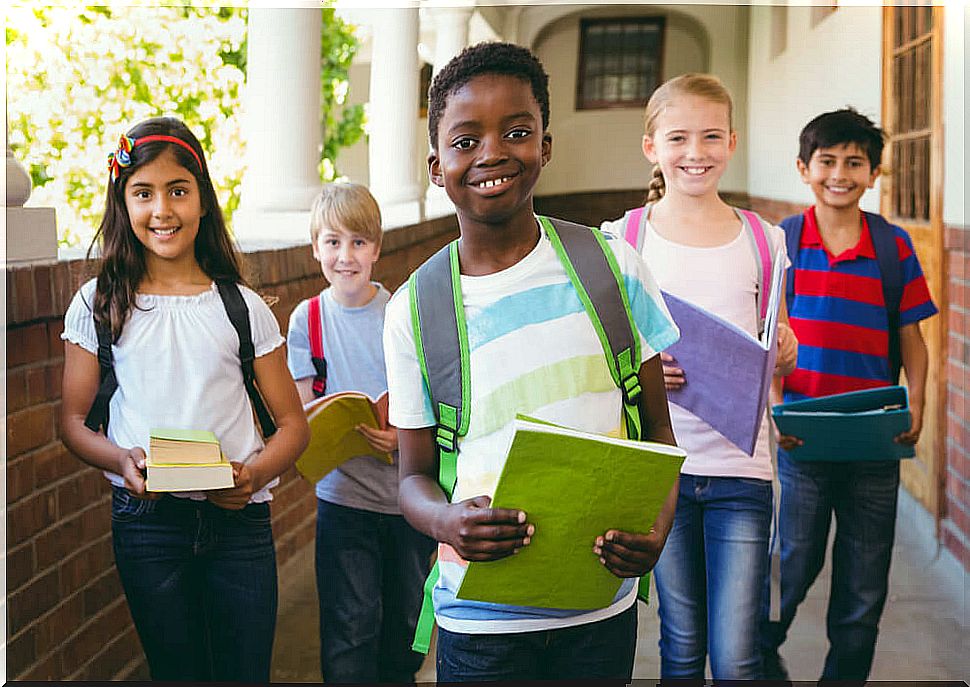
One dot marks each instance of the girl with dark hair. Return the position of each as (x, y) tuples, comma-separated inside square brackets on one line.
[(198, 568)]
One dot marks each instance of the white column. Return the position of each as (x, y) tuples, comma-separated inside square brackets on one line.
[(282, 126), (31, 232), (451, 37), (392, 116)]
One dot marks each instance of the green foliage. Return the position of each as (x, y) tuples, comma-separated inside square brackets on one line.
[(343, 124), (80, 76)]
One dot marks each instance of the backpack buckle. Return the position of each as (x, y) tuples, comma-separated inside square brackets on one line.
[(446, 438), (631, 389)]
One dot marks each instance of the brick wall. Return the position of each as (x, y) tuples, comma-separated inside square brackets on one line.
[(67, 616), (956, 527)]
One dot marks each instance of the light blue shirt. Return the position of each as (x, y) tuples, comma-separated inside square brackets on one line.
[(355, 362)]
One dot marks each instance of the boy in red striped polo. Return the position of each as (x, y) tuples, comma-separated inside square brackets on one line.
[(848, 340)]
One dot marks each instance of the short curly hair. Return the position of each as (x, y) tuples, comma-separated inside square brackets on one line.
[(486, 58)]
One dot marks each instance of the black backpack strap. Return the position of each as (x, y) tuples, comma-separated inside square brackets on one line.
[(595, 275), (891, 273), (97, 416), (232, 300), (792, 227)]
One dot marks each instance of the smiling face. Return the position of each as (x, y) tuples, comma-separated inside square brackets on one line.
[(347, 260), (490, 149), (838, 175), (692, 142), (164, 207)]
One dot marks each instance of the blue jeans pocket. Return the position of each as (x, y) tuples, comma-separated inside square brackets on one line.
[(126, 507), (256, 514)]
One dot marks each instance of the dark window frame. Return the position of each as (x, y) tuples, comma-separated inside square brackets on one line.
[(584, 103)]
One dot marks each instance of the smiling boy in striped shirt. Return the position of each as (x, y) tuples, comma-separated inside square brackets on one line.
[(849, 339)]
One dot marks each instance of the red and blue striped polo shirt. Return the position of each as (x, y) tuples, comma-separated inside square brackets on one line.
[(839, 313)]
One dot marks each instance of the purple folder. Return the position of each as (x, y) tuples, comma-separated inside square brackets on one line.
[(728, 371)]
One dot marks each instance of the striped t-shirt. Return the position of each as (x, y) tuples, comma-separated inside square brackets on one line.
[(839, 313), (533, 351)]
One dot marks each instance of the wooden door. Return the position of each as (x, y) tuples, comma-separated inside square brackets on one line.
[(912, 197)]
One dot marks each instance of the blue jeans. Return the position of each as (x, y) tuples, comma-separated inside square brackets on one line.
[(863, 497), (603, 650), (371, 569), (201, 585), (710, 576)]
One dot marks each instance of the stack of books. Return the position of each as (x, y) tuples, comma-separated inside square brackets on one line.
[(186, 460)]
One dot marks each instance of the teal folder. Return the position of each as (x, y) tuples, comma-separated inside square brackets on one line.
[(859, 425)]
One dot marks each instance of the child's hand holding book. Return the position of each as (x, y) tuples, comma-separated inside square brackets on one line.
[(133, 462), (480, 533), (381, 440), (629, 554), (237, 496)]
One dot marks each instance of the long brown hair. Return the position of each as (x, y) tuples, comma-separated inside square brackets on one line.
[(121, 263), (705, 86)]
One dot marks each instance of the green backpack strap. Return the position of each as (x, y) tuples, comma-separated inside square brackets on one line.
[(441, 343), (595, 275)]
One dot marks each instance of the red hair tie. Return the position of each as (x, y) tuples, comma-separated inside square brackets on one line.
[(122, 157)]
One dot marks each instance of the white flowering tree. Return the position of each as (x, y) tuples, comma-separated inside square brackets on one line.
[(79, 76)]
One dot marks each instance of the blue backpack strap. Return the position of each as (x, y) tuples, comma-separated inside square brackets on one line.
[(792, 227), (891, 272)]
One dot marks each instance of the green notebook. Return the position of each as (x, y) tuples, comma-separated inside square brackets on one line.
[(573, 486)]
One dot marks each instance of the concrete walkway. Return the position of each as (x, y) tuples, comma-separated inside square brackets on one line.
[(924, 633)]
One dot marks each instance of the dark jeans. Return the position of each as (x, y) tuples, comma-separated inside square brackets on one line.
[(603, 650), (201, 585), (709, 578), (863, 497), (371, 569)]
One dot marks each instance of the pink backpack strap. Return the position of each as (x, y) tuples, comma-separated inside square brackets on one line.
[(760, 239), (632, 234)]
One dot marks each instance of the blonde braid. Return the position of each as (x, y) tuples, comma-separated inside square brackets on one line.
[(657, 186)]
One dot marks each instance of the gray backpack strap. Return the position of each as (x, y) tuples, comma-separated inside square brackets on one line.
[(595, 275), (441, 344), (441, 340)]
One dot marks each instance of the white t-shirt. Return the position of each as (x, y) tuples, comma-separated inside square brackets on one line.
[(722, 280), (534, 351), (177, 365)]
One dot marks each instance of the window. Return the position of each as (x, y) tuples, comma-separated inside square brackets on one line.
[(619, 61), (910, 137)]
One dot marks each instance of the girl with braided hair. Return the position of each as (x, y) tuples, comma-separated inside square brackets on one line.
[(710, 576)]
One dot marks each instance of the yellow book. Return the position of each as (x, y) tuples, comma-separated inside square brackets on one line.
[(334, 438), (186, 460), (195, 477), (184, 446)]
